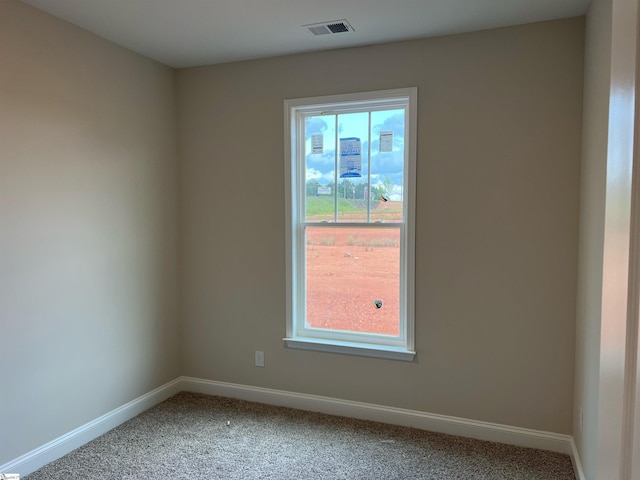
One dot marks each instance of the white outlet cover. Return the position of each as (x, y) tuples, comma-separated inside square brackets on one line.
[(259, 359)]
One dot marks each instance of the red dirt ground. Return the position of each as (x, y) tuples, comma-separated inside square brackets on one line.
[(347, 269)]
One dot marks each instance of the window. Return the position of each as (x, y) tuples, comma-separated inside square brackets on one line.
[(350, 167)]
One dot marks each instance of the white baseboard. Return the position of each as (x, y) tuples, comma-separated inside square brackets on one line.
[(397, 416), (494, 432), (577, 464), (35, 459)]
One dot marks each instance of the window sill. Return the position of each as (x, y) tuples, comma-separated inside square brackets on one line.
[(349, 348)]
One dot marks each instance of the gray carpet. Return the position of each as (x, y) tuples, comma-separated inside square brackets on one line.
[(193, 436)]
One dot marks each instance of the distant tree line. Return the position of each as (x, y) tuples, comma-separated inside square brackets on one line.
[(348, 189)]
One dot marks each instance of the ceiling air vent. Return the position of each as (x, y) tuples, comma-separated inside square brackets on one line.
[(326, 28)]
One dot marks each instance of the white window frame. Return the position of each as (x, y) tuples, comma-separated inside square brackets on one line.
[(297, 336)]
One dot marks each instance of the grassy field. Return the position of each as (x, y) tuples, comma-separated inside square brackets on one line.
[(322, 208), (324, 204)]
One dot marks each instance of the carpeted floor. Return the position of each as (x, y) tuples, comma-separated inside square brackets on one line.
[(193, 436)]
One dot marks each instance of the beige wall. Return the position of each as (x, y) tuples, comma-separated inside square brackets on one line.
[(88, 224), (499, 127), (87, 227)]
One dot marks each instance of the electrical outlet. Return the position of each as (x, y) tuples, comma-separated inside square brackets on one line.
[(259, 358)]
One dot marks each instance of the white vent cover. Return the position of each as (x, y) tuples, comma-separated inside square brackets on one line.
[(326, 28)]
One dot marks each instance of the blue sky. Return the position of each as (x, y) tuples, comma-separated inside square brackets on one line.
[(391, 164)]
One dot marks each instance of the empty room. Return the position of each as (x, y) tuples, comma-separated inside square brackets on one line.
[(364, 239)]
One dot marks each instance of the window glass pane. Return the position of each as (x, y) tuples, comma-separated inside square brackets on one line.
[(353, 174), (320, 168), (353, 279), (387, 165)]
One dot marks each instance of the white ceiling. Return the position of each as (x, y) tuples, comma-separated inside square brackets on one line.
[(186, 33)]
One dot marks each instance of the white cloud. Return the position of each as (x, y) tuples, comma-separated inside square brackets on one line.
[(323, 178), (313, 174)]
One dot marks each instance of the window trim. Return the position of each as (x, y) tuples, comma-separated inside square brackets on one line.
[(405, 350)]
